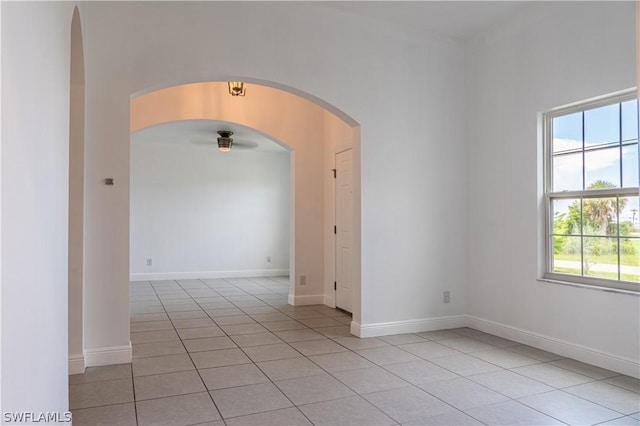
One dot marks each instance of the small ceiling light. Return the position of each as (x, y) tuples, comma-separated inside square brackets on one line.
[(237, 88), (225, 141)]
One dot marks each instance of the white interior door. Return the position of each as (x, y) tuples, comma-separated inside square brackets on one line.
[(344, 229)]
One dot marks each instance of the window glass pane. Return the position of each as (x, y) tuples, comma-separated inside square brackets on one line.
[(567, 132), (630, 166), (567, 172), (600, 216), (630, 238), (566, 216), (630, 259), (629, 217), (602, 125), (630, 120), (566, 255), (600, 257), (602, 168)]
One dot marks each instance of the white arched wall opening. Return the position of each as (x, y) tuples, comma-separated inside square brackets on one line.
[(315, 132)]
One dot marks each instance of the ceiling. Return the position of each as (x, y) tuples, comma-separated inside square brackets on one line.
[(203, 133), (460, 20)]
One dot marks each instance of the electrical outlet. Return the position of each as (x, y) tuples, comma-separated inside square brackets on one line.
[(446, 297), (149, 262), (268, 259), (303, 280)]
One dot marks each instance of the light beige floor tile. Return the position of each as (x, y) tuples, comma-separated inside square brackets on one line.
[(95, 394), (158, 348), (457, 418), (387, 355), (150, 387), (466, 344), (193, 322), (463, 393), (407, 404), (402, 339), (271, 352), (258, 339), (437, 335), (607, 395), (285, 416), (162, 364), (219, 358), (109, 415), (232, 376), (301, 335), (341, 361), (569, 408), (552, 376), (177, 410), (504, 358), (420, 372), (234, 319), (198, 313), (237, 329), (535, 353), (270, 317), (200, 332), (289, 368), (244, 400), (320, 322), (367, 380), (584, 369), (209, 344), (356, 343), (622, 421), (317, 347), (149, 317), (332, 332), (153, 336), (307, 390), (465, 365), (625, 382), (429, 350), (96, 374), (284, 325), (511, 413), (353, 411), (511, 384)]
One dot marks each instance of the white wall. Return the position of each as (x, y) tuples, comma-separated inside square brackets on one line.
[(404, 89), (199, 212), (551, 55), (35, 141)]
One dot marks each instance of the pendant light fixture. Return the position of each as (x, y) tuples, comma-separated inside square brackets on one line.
[(237, 88), (225, 141)]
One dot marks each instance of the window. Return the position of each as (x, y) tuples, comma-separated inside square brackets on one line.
[(591, 193)]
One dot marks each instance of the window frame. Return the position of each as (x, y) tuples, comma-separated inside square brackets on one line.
[(549, 195)]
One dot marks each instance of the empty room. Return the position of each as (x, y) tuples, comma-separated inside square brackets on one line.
[(338, 213)]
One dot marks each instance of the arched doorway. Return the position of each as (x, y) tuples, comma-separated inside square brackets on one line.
[(314, 132)]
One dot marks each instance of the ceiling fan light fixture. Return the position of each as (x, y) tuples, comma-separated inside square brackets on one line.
[(237, 88), (225, 141)]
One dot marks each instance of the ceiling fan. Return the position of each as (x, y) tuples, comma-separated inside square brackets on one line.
[(226, 142)]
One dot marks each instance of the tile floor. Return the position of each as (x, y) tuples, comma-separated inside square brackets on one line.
[(231, 351)]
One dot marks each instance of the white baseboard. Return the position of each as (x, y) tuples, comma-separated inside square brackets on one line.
[(410, 326), (76, 364), (616, 363), (108, 356), (313, 299), (158, 276)]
